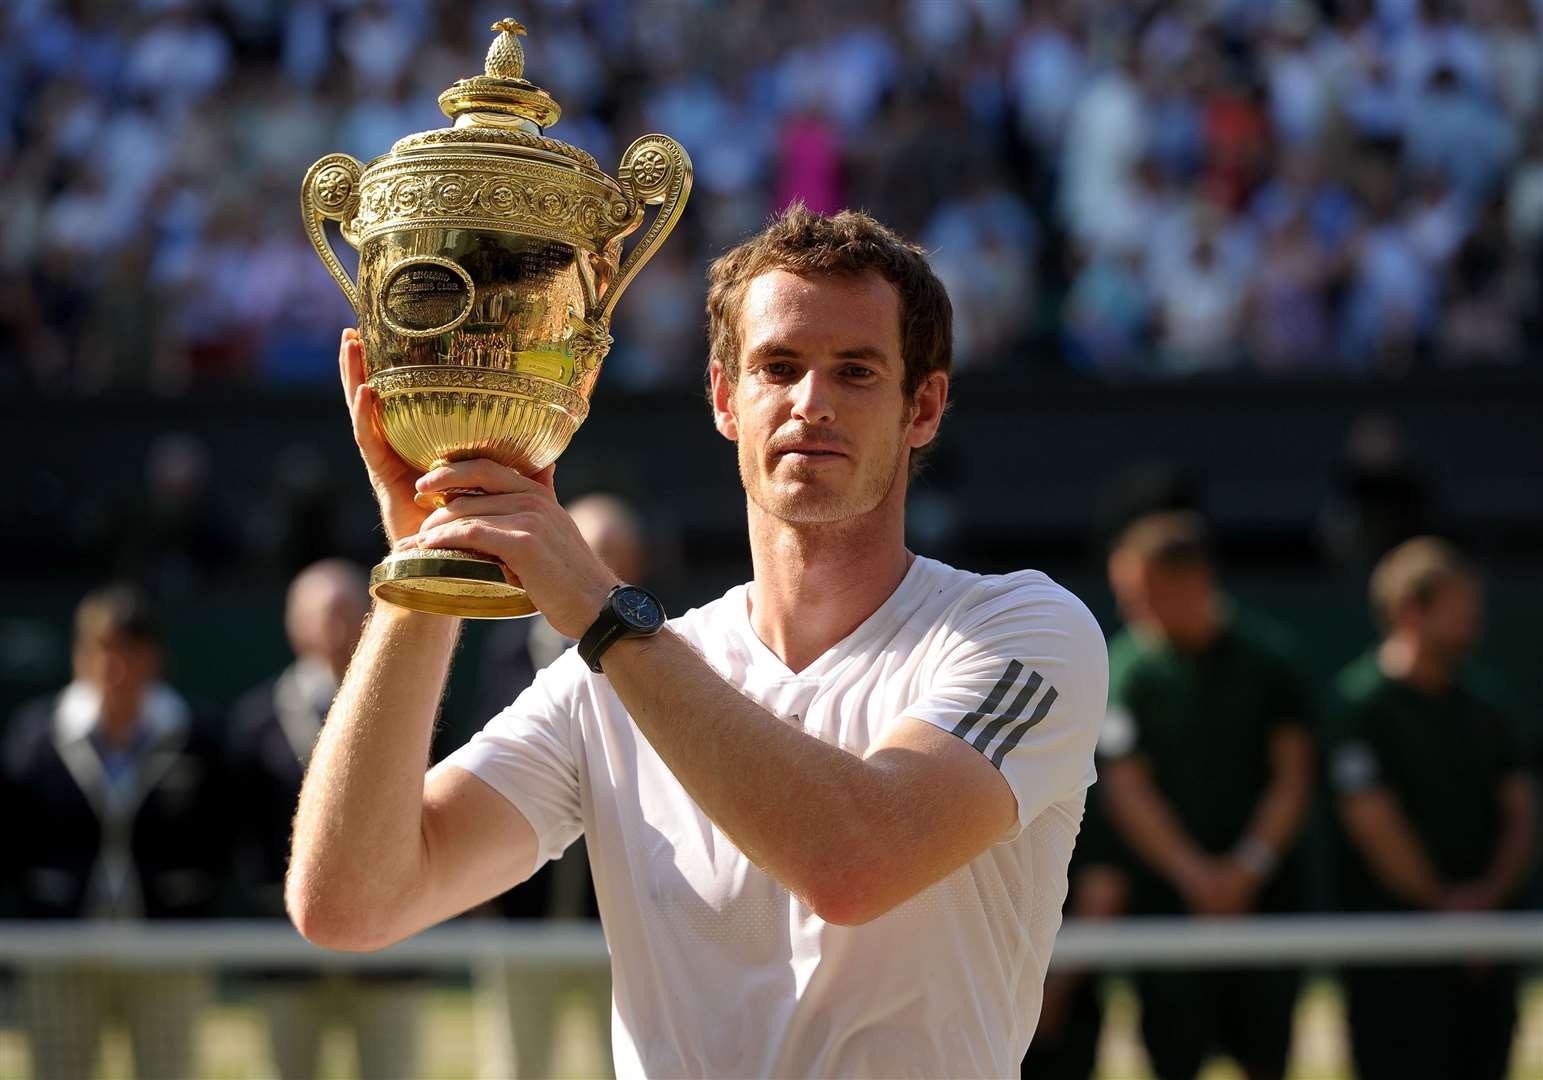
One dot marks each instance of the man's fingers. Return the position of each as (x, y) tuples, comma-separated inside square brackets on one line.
[(358, 412), (483, 506), (363, 413), (369, 432), (497, 536), (493, 538), (482, 474), (350, 363), (547, 478)]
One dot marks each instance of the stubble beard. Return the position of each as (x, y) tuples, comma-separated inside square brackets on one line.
[(811, 506)]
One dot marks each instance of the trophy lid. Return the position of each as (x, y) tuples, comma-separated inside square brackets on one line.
[(499, 106)]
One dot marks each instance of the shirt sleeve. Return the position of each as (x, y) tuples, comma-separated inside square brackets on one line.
[(1355, 765), (1120, 735), (1024, 683), (528, 754), (1291, 698)]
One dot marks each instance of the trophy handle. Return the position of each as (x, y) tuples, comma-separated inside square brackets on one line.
[(655, 171), (331, 190)]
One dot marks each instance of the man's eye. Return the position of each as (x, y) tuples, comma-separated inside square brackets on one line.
[(778, 369), (857, 371)]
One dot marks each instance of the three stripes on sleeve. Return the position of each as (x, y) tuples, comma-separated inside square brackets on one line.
[(1008, 728)]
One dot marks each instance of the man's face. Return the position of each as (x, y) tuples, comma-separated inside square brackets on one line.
[(118, 665), (818, 410), (1451, 622), (325, 621), (1173, 600)]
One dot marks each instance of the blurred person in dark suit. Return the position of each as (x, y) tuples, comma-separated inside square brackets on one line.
[(1206, 766), (122, 793), (273, 729), (1437, 810), (522, 1005)]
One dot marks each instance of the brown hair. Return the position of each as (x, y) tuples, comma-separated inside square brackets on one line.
[(1414, 572), (116, 611), (1171, 539), (851, 242)]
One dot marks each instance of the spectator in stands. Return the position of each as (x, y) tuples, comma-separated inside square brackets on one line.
[(115, 797), (1438, 815), (1206, 763), (982, 243), (139, 245), (525, 1001), (1200, 306), (1106, 316), (1287, 326), (272, 731), (1390, 308)]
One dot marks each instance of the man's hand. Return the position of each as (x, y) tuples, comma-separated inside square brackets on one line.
[(1470, 896), (1217, 886), (402, 510), (518, 521)]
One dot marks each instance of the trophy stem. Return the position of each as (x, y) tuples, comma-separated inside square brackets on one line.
[(449, 582)]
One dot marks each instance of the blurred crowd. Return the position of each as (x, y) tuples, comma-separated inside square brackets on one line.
[(1158, 187), (1215, 750)]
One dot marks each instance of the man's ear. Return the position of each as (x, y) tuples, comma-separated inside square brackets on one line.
[(927, 409), (724, 418)]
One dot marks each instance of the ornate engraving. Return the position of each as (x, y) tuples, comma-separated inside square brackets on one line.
[(501, 136), (334, 187), (520, 197), (648, 169), (481, 380), (330, 189), (426, 296), (506, 59), (590, 343), (644, 181)]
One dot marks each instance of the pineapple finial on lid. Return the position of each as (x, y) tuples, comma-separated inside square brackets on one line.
[(506, 59)]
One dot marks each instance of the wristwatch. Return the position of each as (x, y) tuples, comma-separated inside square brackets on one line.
[(629, 612)]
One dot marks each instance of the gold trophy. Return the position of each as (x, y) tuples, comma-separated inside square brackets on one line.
[(490, 261)]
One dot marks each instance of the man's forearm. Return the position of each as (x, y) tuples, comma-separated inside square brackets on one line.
[(358, 843), (1379, 829), (822, 821), (1146, 821), (1278, 816), (1515, 848)]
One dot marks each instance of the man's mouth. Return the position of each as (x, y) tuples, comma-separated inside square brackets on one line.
[(808, 452), (808, 444)]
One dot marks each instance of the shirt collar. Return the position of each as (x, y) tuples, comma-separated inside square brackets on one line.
[(78, 712), (315, 680)]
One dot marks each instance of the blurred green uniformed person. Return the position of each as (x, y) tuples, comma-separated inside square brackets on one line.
[(1437, 812), (1206, 766)]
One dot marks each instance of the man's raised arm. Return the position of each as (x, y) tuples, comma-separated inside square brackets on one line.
[(378, 853)]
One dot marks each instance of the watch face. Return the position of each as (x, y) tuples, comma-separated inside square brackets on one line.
[(638, 609)]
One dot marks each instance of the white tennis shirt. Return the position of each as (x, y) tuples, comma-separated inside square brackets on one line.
[(718, 970)]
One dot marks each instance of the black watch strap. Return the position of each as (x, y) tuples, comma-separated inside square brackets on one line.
[(611, 626)]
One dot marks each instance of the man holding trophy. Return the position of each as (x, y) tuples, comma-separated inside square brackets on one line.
[(829, 814)]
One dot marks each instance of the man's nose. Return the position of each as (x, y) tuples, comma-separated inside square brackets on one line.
[(812, 401)]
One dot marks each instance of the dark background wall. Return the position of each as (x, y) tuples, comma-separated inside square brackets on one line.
[(1027, 474)]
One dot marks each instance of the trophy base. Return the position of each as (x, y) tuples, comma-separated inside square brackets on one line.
[(447, 582)]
